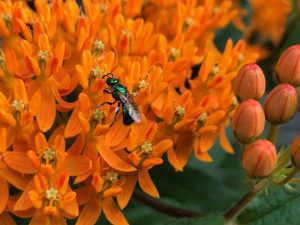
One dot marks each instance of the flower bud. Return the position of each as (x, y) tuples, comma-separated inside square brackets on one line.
[(281, 104), (296, 152), (250, 82), (248, 121), (259, 159), (288, 66)]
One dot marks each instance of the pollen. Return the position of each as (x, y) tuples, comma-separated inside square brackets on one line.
[(147, 148), (215, 69), (49, 155), (112, 177), (42, 58), (97, 72), (98, 47), (143, 84), (103, 7), (7, 19), (180, 111), (187, 23), (174, 54), (52, 194), (19, 105), (98, 116)]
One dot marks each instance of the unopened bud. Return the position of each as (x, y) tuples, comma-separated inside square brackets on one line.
[(259, 159), (281, 104), (250, 82), (296, 152), (288, 66), (248, 121)]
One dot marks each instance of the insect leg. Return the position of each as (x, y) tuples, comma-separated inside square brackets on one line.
[(107, 91), (103, 103), (117, 110)]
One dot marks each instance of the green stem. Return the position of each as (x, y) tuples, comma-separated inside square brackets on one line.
[(288, 177), (234, 211), (273, 133)]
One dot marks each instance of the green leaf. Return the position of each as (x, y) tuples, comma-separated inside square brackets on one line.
[(280, 206), (210, 219)]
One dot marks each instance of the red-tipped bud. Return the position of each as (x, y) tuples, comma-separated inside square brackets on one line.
[(281, 104), (248, 121), (259, 159), (296, 152), (250, 83), (288, 66)]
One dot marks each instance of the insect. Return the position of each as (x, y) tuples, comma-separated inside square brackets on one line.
[(121, 95)]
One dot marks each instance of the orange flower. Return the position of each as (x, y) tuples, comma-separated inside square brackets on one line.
[(145, 153), (48, 158), (106, 185), (53, 200)]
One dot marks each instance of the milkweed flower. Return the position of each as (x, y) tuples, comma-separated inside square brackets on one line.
[(60, 119)]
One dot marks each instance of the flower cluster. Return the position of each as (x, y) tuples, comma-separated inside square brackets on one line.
[(70, 155)]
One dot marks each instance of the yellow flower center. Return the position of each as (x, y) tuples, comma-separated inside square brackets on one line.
[(103, 7), (98, 47), (52, 194), (142, 84), (19, 106), (97, 72), (7, 19), (110, 179), (174, 54), (3, 64), (98, 116), (42, 58), (49, 157), (187, 23)]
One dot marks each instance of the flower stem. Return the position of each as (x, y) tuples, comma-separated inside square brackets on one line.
[(288, 177), (273, 133), (164, 208), (234, 211)]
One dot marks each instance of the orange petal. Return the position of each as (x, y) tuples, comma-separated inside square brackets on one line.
[(127, 189), (63, 103), (40, 143), (205, 157), (113, 159), (112, 212), (77, 165), (184, 148), (207, 141), (146, 183), (117, 133), (112, 192), (43, 42), (45, 112), (40, 182), (162, 146), (3, 139), (73, 126), (35, 199), (20, 162), (39, 218), (6, 219), (84, 194), (69, 204), (62, 182), (20, 90), (224, 141), (24, 201), (90, 213), (149, 163), (59, 143), (77, 146), (4, 194), (7, 118), (13, 177)]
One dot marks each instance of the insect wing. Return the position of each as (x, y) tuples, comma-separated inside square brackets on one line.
[(130, 106)]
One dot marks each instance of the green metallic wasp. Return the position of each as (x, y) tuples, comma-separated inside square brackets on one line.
[(121, 95)]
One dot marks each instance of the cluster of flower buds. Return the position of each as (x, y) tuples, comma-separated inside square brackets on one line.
[(259, 156)]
